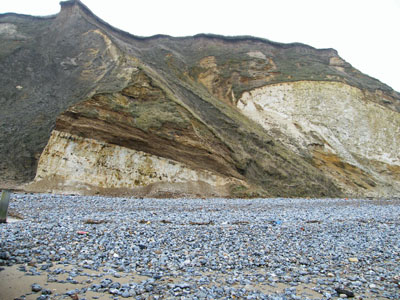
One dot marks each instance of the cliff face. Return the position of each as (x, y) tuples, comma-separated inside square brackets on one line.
[(91, 109), (350, 137)]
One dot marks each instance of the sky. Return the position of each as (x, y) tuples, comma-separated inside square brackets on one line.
[(366, 33)]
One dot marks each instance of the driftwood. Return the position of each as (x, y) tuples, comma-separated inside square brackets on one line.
[(201, 223), (4, 201)]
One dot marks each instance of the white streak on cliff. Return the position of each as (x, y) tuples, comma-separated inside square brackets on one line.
[(83, 162), (333, 115)]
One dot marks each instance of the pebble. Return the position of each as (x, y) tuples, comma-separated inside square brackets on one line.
[(36, 288), (46, 292), (126, 295), (4, 255), (72, 292), (353, 259), (113, 291), (207, 248)]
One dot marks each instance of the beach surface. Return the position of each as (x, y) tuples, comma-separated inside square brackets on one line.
[(78, 247)]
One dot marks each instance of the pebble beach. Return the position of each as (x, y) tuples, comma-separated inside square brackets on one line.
[(81, 247)]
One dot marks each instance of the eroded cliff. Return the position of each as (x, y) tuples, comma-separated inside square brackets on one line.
[(112, 113), (354, 140)]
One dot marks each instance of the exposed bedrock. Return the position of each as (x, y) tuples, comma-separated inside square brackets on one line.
[(88, 108)]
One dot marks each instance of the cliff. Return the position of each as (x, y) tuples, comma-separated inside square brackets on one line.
[(88, 108)]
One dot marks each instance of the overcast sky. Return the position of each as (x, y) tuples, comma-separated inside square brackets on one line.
[(366, 33)]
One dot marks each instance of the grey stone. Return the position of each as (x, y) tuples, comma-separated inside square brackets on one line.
[(36, 287)]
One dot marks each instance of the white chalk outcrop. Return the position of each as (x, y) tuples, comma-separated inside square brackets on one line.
[(70, 163), (332, 118)]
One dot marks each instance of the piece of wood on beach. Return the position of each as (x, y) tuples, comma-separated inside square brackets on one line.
[(4, 201)]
